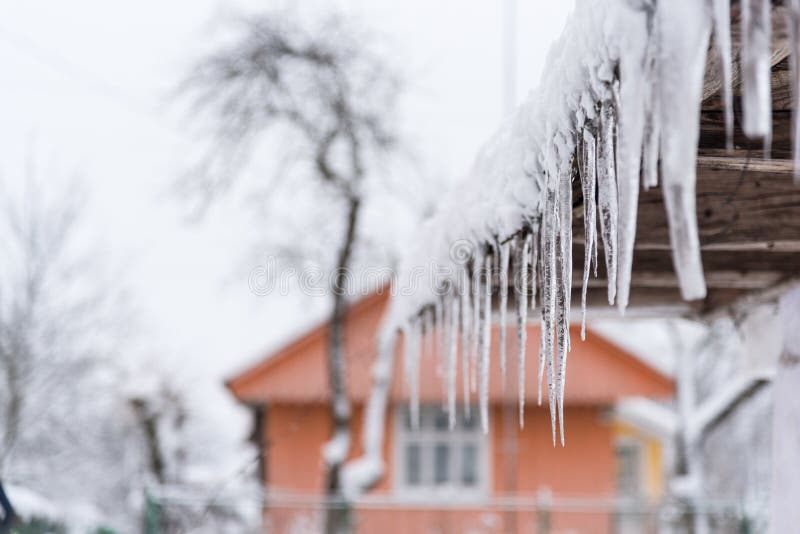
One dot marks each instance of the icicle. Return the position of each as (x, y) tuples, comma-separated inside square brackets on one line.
[(549, 281), (756, 99), (607, 193), (521, 266), (534, 263), (429, 338), (477, 298), (722, 41), (452, 354), (565, 232), (588, 185), (562, 325), (652, 124), (564, 285), (443, 351), (794, 40), (466, 329), (682, 67), (504, 260), (411, 340), (630, 129), (438, 334), (548, 268), (485, 346), (405, 331)]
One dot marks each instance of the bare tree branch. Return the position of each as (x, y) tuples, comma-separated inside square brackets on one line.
[(323, 84)]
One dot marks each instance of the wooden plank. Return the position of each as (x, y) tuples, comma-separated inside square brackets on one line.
[(712, 134), (742, 262), (739, 161), (780, 85), (747, 207), (723, 269), (714, 279), (666, 299)]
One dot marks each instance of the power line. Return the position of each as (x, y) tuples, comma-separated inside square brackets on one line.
[(82, 76)]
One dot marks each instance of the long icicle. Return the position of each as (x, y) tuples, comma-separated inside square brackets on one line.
[(438, 336), (682, 67), (588, 186), (477, 298), (630, 130), (607, 193), (564, 285), (548, 255), (534, 263), (549, 293), (452, 355), (652, 120), (429, 338), (722, 41), (412, 354), (405, 335), (756, 101), (561, 343), (443, 351), (503, 272), (466, 328), (521, 267), (485, 345)]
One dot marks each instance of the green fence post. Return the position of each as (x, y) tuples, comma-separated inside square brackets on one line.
[(152, 514)]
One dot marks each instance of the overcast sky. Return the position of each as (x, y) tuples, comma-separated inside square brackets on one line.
[(86, 87)]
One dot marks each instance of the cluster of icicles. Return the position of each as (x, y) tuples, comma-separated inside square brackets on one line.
[(460, 319), (642, 124)]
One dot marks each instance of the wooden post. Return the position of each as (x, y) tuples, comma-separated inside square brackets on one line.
[(786, 421)]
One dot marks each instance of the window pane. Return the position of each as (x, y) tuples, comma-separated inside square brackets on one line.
[(441, 420), (413, 467), (441, 463), (628, 470), (469, 465), (471, 422), (407, 418)]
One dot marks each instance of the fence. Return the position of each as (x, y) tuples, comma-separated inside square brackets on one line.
[(170, 512)]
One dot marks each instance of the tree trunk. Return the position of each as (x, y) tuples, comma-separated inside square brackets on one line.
[(13, 410), (338, 516), (786, 421), (687, 461)]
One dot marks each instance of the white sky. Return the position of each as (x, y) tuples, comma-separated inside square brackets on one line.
[(84, 86)]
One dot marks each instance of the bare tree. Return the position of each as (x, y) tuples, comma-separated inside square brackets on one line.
[(60, 429), (324, 86), (35, 234)]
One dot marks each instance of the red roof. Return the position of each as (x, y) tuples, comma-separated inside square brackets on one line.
[(598, 371)]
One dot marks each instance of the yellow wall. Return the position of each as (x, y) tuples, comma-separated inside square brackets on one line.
[(652, 458)]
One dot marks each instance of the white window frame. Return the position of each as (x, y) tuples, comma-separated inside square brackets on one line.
[(427, 437)]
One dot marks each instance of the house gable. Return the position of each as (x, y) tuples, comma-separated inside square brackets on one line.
[(599, 371)]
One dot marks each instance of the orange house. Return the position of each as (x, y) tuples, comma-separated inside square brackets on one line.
[(436, 480)]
